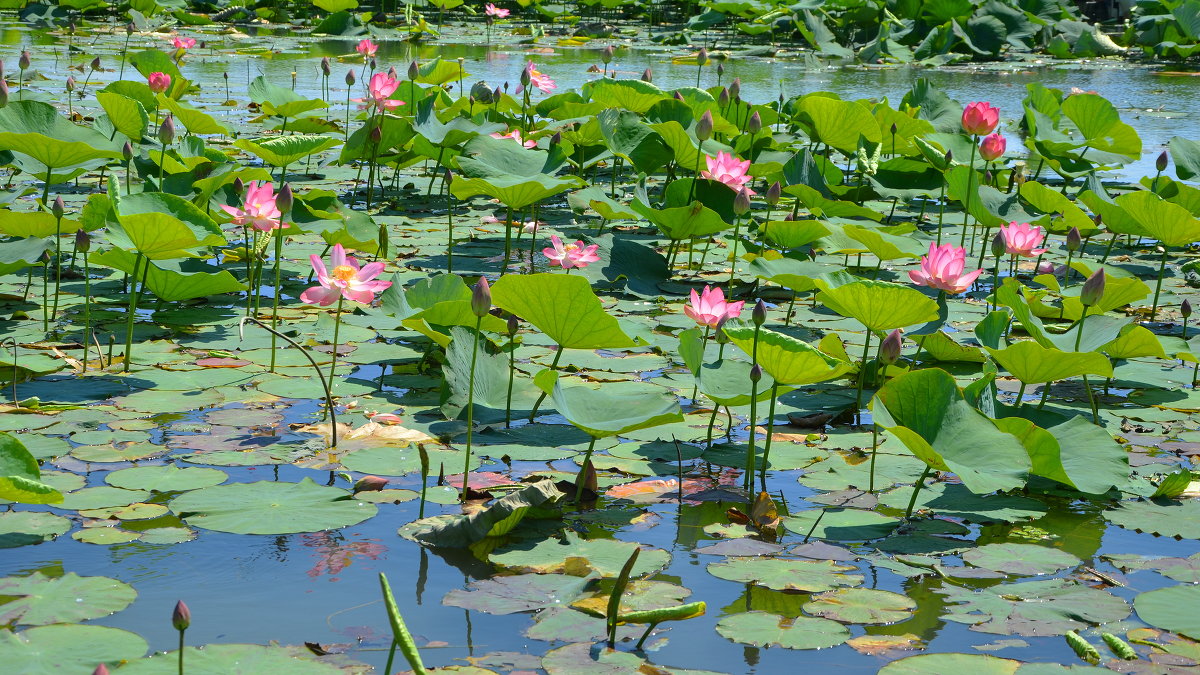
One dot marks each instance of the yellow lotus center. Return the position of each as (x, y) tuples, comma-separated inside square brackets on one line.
[(571, 247), (344, 272)]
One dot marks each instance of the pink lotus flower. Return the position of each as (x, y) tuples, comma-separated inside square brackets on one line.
[(709, 307), (1023, 239), (530, 226), (494, 11), (515, 134), (538, 79), (367, 48), (726, 169), (942, 268), (259, 210), (158, 82), (992, 147), (183, 43), (570, 255), (345, 280), (980, 118), (380, 88), (384, 418)]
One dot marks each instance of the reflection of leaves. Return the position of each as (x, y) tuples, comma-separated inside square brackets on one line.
[(1186, 570), (861, 605), (1033, 608)]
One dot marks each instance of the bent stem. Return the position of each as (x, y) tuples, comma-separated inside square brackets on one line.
[(912, 501), (471, 405), (311, 360), (553, 366), (400, 634)]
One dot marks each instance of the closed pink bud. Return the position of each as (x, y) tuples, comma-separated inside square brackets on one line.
[(992, 147), (980, 118), (370, 484), (889, 349)]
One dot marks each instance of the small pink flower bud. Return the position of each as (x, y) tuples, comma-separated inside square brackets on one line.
[(481, 298), (181, 618)]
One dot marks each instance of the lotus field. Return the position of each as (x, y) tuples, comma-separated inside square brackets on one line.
[(321, 355)]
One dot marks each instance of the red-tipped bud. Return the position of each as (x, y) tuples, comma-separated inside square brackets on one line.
[(375, 135), (58, 208), (83, 242), (889, 349), (773, 193), (704, 127), (755, 373), (723, 97), (1093, 289), (3, 91), (754, 124), (284, 200), (1074, 239), (238, 186), (95, 63), (1161, 162), (166, 130), (481, 298), (181, 618), (350, 78), (127, 151), (759, 315), (741, 203), (513, 325), (735, 88), (414, 70), (370, 484), (1185, 309), (24, 61), (70, 83), (647, 75), (100, 670), (999, 246), (702, 56), (326, 66)]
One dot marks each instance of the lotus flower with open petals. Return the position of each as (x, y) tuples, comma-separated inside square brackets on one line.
[(942, 268), (727, 169), (345, 280), (709, 307)]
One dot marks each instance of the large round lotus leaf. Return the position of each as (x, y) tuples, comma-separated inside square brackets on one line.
[(401, 461), (153, 401), (563, 624), (787, 575), (519, 593), (1186, 569), (956, 501), (67, 648), (763, 629), (604, 556), (1020, 558), (1167, 518), (840, 524), (99, 436), (590, 658), (230, 660), (1172, 608), (101, 497), (861, 605), (310, 387), (109, 453), (104, 536), (38, 599), (268, 507), (18, 528), (951, 664), (234, 458), (166, 478), (640, 595), (1033, 608)]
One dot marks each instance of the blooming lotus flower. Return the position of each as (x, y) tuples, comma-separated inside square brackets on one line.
[(367, 48), (980, 118), (384, 418), (158, 82), (709, 307), (259, 209), (726, 168), (495, 12), (515, 134), (380, 88), (537, 79), (530, 226), (1022, 239), (570, 255), (992, 147), (345, 280), (183, 43), (942, 268)]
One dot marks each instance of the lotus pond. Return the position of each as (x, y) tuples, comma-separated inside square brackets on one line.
[(534, 356)]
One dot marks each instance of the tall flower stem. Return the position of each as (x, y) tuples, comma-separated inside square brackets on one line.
[(1162, 268), (449, 231), (703, 348), (962, 239), (129, 314), (553, 366), (278, 291), (507, 241), (912, 501), (337, 323), (471, 405), (737, 232), (87, 309), (874, 452), (57, 262), (862, 375), (587, 460), (749, 477), (770, 432), (512, 370), (1086, 385)]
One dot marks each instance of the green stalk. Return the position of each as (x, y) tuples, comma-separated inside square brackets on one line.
[(181, 652), (275, 304), (400, 634), (133, 299), (471, 405), (449, 232), (512, 369), (737, 229), (507, 241), (862, 375), (1162, 268), (587, 458), (87, 308), (1086, 385), (749, 479), (337, 323), (912, 501), (962, 239), (57, 263), (874, 451), (703, 348), (324, 384), (553, 366), (770, 432)]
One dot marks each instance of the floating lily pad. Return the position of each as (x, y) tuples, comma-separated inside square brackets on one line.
[(67, 648), (604, 556), (563, 624), (167, 535), (104, 536), (268, 507), (1021, 558), (519, 593), (230, 658), (155, 401), (861, 605), (763, 629), (136, 511), (166, 478), (1186, 569), (20, 528), (1168, 518), (109, 453), (840, 524), (1032, 608), (951, 664), (38, 599), (956, 501), (234, 458), (101, 497), (1172, 608), (787, 575)]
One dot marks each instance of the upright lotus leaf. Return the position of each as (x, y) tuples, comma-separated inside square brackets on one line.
[(728, 383), (792, 234), (457, 131), (496, 520), (161, 226), (196, 121), (516, 192), (1009, 295), (1062, 213), (282, 151), (926, 411), (603, 414), (491, 388), (20, 477), (494, 158), (1032, 363), (824, 207), (628, 94), (842, 125), (783, 357), (173, 280), (17, 255), (633, 140), (689, 152), (1103, 131), (1186, 157), (126, 114), (563, 307), (1075, 453), (879, 305), (281, 101), (681, 222), (1169, 223), (35, 129)]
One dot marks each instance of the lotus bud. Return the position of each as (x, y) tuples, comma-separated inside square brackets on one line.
[(741, 203), (1097, 220), (704, 127), (284, 200), (1046, 267), (723, 98), (129, 28), (391, 72), (376, 135), (374, 64), (481, 298), (414, 70), (513, 325), (1185, 309), (893, 128), (755, 373), (70, 28), (3, 92), (496, 94), (95, 63), (1074, 240), (181, 618), (127, 151), (759, 315), (949, 157), (58, 208), (999, 246), (349, 78), (83, 242), (647, 75), (1161, 162), (702, 56), (889, 349), (238, 186), (607, 55), (448, 178), (525, 76), (754, 124), (1093, 288), (679, 97), (773, 193), (326, 66), (70, 83), (987, 177), (24, 61), (556, 138), (370, 484), (100, 670), (506, 86), (166, 130), (735, 88)]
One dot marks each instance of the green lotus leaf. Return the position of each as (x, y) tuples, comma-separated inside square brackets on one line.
[(161, 226), (555, 555), (1029, 608), (809, 576), (1032, 363), (783, 357), (222, 659), (39, 599), (601, 413), (763, 629), (861, 605), (496, 520), (125, 113), (840, 124), (1027, 559), (518, 593), (951, 664), (1169, 223), (173, 280), (267, 507), (1165, 517), (562, 306), (1172, 608), (840, 524), (282, 151), (20, 476), (194, 120), (66, 648), (879, 305), (728, 383), (17, 255), (165, 478)]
